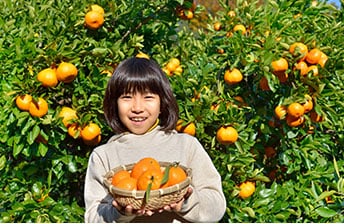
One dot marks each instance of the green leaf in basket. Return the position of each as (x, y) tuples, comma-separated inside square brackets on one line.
[(167, 172), (166, 175), (147, 193)]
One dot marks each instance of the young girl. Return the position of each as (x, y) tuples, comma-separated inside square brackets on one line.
[(140, 108)]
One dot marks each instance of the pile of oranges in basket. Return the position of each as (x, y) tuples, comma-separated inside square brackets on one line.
[(147, 174)]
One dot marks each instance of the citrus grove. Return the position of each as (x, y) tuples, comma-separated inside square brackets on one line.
[(259, 83)]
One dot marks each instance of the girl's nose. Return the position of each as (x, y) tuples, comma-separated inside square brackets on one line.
[(137, 106)]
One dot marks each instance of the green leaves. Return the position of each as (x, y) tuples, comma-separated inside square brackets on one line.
[(325, 212)]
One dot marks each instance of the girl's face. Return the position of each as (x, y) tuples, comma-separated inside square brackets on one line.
[(138, 111)]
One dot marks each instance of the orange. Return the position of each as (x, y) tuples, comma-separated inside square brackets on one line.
[(68, 115), (48, 77), (313, 69), (315, 117), (179, 11), (128, 183), (217, 26), (179, 125), (172, 64), (246, 189), (90, 131), (43, 197), (295, 109), (240, 100), (215, 107), (66, 72), (176, 175), (282, 76), (294, 121), (227, 135), (95, 141), (280, 111), (151, 176), (107, 72), (186, 14), (94, 20), (270, 151), (167, 72), (263, 84), (323, 59), (302, 67), (233, 77), (142, 55), (299, 49), (97, 8), (144, 165), (231, 13), (38, 108), (310, 130), (229, 34), (189, 14), (297, 16), (239, 27), (308, 105), (313, 56), (279, 65), (189, 128), (74, 130), (23, 102), (220, 51), (120, 175), (178, 70)]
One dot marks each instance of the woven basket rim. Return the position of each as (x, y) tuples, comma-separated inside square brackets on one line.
[(141, 193)]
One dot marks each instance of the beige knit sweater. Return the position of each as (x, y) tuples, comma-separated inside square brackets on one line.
[(207, 202)]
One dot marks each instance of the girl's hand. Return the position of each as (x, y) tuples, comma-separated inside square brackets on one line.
[(176, 207), (123, 210), (128, 210)]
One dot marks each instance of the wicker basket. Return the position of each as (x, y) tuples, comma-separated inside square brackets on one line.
[(157, 198)]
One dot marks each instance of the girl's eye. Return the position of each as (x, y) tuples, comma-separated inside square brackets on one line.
[(125, 97), (150, 96)]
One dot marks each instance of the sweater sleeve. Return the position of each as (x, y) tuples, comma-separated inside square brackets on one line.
[(207, 203), (98, 201)]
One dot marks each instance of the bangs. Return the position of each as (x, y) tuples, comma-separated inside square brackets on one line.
[(141, 84), (139, 78)]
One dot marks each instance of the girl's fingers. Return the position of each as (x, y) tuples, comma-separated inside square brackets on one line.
[(128, 210)]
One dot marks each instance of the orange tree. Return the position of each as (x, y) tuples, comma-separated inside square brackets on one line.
[(294, 166)]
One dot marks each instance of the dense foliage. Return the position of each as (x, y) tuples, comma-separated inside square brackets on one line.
[(297, 171)]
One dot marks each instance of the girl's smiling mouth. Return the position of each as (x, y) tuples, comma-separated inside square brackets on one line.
[(138, 119)]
